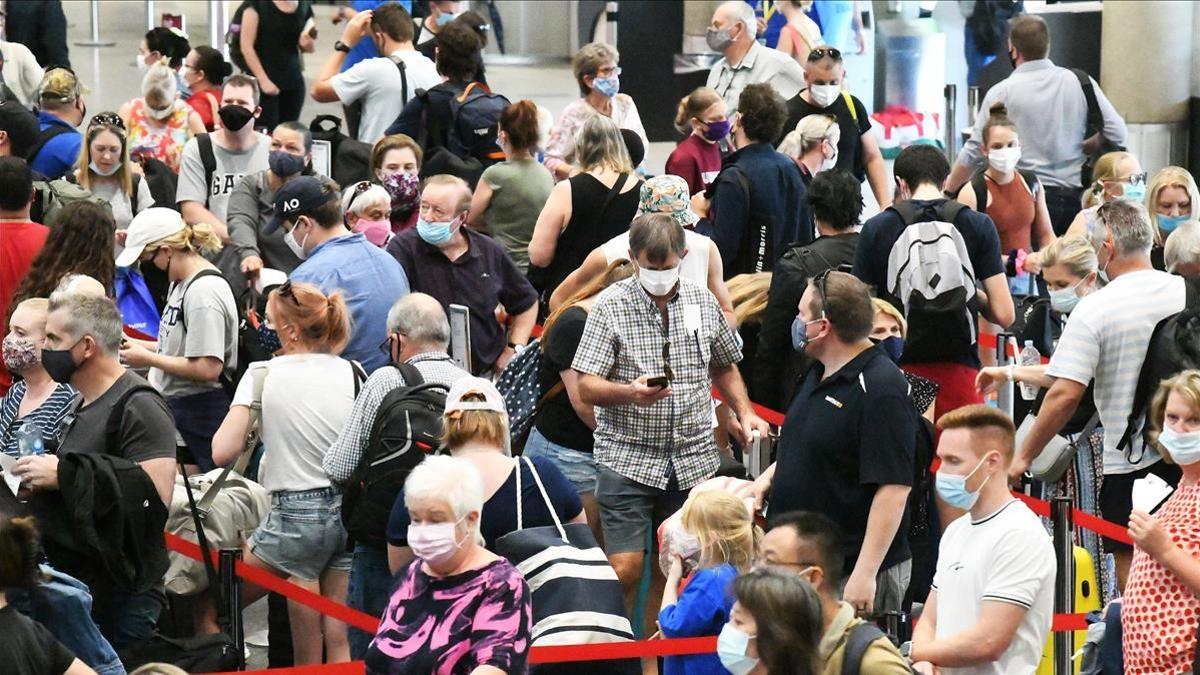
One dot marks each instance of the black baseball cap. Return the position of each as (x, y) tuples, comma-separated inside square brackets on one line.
[(21, 125), (298, 197)]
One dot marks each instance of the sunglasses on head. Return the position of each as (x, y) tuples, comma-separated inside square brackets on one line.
[(820, 282), (107, 119), (822, 52), (359, 188)]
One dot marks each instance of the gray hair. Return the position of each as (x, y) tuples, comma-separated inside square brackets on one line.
[(375, 194), (1129, 224), (743, 13), (90, 315), (453, 480), (159, 83), (658, 235), (464, 199), (421, 319), (1183, 246)]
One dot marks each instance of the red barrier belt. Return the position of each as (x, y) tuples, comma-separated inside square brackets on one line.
[(1085, 520)]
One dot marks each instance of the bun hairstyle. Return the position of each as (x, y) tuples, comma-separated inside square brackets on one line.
[(159, 87), (198, 238), (519, 122), (997, 117), (173, 45), (19, 553), (213, 64), (694, 105), (321, 323)]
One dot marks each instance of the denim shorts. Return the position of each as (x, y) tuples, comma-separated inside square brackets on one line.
[(303, 534), (579, 467)]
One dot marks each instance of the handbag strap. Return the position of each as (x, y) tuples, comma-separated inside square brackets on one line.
[(520, 498), (545, 497), (1090, 427), (253, 431)]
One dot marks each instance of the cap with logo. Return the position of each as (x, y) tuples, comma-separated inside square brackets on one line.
[(297, 197)]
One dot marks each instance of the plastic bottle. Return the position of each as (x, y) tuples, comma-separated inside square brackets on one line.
[(30, 440), (1030, 356)]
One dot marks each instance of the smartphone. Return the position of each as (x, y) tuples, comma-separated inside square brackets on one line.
[(661, 382)]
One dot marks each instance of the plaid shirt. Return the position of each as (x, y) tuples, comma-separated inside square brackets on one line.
[(343, 457), (624, 340)]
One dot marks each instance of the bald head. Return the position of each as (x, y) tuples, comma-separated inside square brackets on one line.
[(81, 283), (420, 322)]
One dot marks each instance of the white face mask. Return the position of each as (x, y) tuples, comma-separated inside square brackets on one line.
[(658, 282), (1004, 160), (436, 543), (297, 247), (825, 95), (99, 172), (828, 163), (140, 60), (160, 115)]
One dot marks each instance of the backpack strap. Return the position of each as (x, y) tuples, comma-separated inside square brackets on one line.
[(183, 299), (906, 211), (850, 104), (45, 136), (1032, 182), (360, 375), (253, 432), (400, 65), (411, 375), (1095, 120), (133, 194), (208, 158), (979, 186), (860, 639), (112, 427)]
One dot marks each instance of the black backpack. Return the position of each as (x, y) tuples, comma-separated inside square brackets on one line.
[(350, 158), (979, 187), (407, 428), (228, 383), (860, 640), (989, 23), (1174, 347), (354, 111), (756, 252), (465, 144), (1095, 125)]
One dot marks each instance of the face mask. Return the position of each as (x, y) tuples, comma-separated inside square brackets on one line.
[(285, 164), (444, 18), (893, 346), (297, 247), (825, 95), (234, 117), (953, 488), (403, 188), (99, 172), (687, 545), (435, 234), (609, 86), (718, 40), (160, 115), (20, 354), (1004, 160), (1184, 448), (59, 364), (140, 60), (1064, 300), (376, 231), (800, 337), (1134, 192), (716, 130), (731, 649), (658, 282), (435, 544), (1168, 223), (268, 339), (828, 163)]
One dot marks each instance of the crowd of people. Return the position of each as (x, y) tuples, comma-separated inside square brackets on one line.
[(183, 292)]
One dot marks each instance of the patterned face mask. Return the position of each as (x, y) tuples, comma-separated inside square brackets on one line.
[(403, 188), (20, 354)]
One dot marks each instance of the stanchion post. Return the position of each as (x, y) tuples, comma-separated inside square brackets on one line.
[(1004, 393), (950, 120), (231, 585), (149, 15), (898, 626), (1064, 581), (974, 96), (95, 40), (216, 26)]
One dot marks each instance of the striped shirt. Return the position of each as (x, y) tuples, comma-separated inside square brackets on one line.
[(343, 457), (1106, 339), (49, 415)]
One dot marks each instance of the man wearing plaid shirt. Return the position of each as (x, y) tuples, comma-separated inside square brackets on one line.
[(654, 347)]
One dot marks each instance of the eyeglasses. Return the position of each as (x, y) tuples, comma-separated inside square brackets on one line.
[(107, 119), (608, 71), (1134, 179), (821, 52)]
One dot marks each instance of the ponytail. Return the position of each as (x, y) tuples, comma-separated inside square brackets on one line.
[(323, 322), (694, 105), (19, 553), (336, 326)]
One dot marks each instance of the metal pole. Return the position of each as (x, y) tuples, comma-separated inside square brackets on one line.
[(1064, 581), (95, 41), (610, 15), (974, 96), (950, 120), (216, 26), (149, 15), (231, 584), (1004, 395)]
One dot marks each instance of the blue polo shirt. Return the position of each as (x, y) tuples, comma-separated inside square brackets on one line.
[(58, 156), (370, 281)]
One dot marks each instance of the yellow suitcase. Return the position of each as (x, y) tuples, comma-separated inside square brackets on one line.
[(1087, 599)]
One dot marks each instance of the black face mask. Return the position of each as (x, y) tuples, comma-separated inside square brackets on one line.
[(1012, 58), (59, 363), (234, 117)]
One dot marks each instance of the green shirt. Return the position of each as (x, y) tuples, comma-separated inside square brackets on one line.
[(519, 191)]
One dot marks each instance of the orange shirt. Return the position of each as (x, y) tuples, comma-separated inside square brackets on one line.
[(1012, 207)]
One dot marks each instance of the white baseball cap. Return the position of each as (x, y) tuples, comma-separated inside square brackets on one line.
[(147, 227), (492, 400)]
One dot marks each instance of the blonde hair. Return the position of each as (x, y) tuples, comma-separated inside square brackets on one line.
[(617, 270), (197, 238), (1183, 246), (159, 88), (725, 528), (1185, 384), (36, 304), (1170, 176), (693, 106), (1106, 169), (808, 134), (1074, 251), (885, 307), (83, 168), (322, 323), (599, 145), (748, 293), (474, 426)]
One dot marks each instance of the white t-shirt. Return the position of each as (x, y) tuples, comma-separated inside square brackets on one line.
[(693, 267), (1106, 338), (378, 80), (209, 328), (1005, 557), (306, 401)]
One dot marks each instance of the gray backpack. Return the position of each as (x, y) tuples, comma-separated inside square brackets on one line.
[(929, 272)]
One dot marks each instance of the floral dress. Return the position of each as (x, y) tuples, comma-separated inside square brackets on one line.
[(164, 144)]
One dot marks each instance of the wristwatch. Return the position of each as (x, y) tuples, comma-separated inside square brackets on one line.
[(517, 349), (341, 47), (906, 650)]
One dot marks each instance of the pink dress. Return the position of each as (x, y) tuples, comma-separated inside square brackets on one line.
[(164, 144)]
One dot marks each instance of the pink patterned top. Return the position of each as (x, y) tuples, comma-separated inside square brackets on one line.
[(164, 144), (452, 625)]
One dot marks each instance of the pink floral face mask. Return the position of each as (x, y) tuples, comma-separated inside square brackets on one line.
[(20, 353)]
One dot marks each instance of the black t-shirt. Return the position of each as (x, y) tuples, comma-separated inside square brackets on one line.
[(278, 42), (27, 648), (875, 243), (147, 429), (557, 419), (844, 437), (850, 152)]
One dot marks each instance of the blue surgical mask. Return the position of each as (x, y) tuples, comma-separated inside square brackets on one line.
[(445, 18), (953, 488), (285, 164), (1134, 192), (1064, 300), (731, 650), (893, 346), (1184, 448), (609, 86), (800, 337), (1168, 223), (435, 234)]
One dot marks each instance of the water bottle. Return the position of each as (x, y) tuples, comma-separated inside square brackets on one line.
[(1030, 356), (30, 440)]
